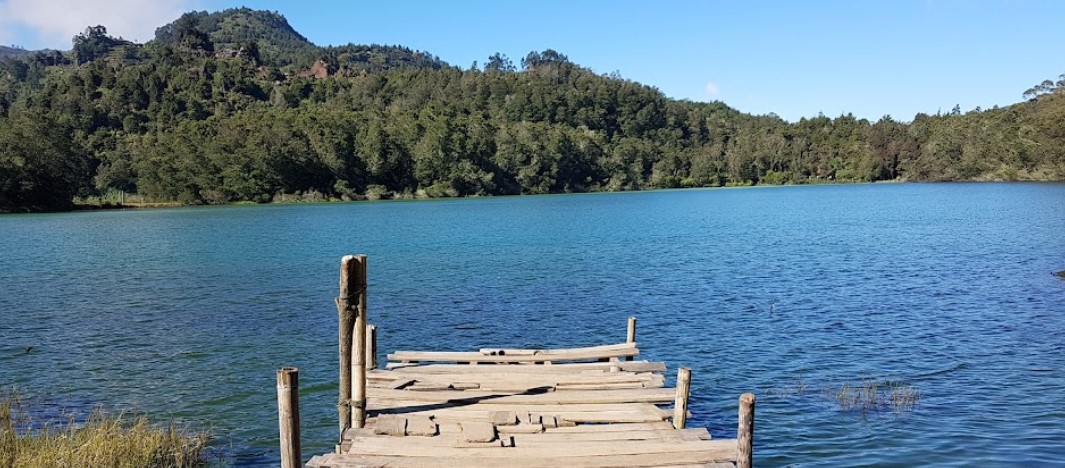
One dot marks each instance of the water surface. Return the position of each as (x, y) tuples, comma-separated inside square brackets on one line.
[(788, 292)]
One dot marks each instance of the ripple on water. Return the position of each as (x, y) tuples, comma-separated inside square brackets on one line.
[(790, 293)]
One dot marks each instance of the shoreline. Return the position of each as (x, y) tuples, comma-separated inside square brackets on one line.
[(108, 206)]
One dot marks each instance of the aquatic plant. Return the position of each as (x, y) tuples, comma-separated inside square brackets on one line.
[(874, 396), (103, 440)]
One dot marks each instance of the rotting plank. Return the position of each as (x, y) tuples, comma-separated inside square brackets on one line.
[(683, 459), (497, 375), (554, 351), (475, 357), (567, 368), (650, 426), (642, 395), (716, 450), (530, 437)]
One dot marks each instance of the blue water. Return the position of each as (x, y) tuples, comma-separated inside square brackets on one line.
[(787, 292)]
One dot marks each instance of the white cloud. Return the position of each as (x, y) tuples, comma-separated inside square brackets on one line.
[(52, 23), (711, 89)]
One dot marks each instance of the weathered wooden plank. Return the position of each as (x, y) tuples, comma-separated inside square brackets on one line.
[(400, 383), (528, 435), (475, 357), (718, 450), (567, 368), (574, 415), (651, 426), (550, 436), (682, 459), (500, 373), (642, 395), (503, 418), (421, 426), (553, 351), (523, 428), (388, 426), (472, 432)]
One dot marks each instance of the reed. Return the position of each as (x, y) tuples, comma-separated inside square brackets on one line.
[(103, 440), (874, 396)]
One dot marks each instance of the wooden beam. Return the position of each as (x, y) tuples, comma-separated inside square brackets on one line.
[(680, 404), (630, 337), (288, 416), (745, 433), (358, 348), (371, 341), (346, 311)]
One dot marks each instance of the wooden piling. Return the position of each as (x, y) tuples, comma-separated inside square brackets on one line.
[(288, 415), (358, 349), (680, 404), (346, 311), (630, 337), (371, 351), (745, 433)]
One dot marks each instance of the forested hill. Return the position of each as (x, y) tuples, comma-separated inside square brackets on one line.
[(8, 52), (237, 106)]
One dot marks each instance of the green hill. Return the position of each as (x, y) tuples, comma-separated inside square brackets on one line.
[(279, 45), (9, 52), (237, 106)]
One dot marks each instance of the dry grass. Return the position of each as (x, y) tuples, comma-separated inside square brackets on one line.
[(103, 440)]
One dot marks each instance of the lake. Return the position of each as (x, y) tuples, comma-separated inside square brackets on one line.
[(788, 292)]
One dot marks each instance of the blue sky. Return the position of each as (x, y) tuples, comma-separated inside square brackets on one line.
[(794, 59)]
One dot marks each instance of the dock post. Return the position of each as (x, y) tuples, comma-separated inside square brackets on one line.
[(745, 433), (371, 341), (288, 416), (680, 405), (346, 318), (630, 337), (358, 349)]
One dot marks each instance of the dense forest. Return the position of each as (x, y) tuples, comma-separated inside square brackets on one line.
[(237, 106)]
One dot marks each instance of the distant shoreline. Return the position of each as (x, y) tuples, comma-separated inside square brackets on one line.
[(295, 199)]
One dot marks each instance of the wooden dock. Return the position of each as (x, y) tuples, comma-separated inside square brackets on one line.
[(578, 407)]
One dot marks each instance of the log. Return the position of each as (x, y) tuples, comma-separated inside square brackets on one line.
[(288, 416), (346, 311), (680, 404), (745, 433), (358, 347)]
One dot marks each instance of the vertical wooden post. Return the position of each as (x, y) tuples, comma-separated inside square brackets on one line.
[(630, 337), (371, 343), (358, 349), (346, 318), (680, 404), (288, 416), (745, 434)]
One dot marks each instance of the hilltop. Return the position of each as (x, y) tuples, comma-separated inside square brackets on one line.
[(238, 106), (279, 45), (10, 52)]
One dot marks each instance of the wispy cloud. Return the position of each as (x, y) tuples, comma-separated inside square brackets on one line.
[(52, 23), (712, 89)]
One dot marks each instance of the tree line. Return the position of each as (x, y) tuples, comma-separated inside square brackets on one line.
[(191, 119)]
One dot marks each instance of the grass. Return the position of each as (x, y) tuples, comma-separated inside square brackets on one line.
[(874, 396), (103, 440)]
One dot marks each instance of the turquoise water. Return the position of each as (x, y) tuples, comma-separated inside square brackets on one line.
[(788, 292)]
